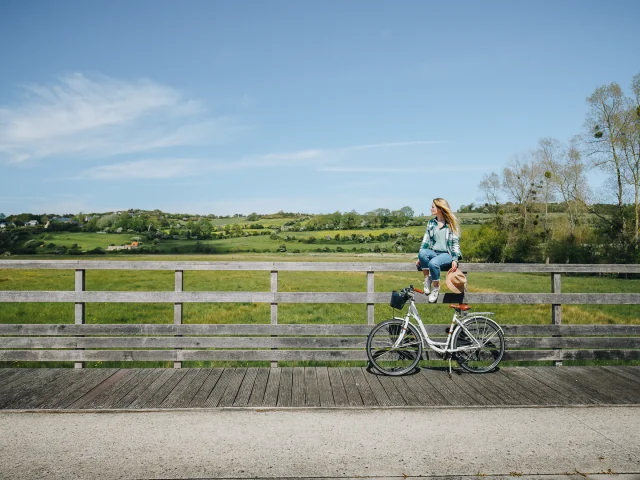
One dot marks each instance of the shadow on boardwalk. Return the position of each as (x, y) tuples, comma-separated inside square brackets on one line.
[(41, 388)]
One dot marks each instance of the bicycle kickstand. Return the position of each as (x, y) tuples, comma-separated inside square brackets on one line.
[(450, 376)]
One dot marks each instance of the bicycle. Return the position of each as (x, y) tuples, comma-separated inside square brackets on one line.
[(395, 346)]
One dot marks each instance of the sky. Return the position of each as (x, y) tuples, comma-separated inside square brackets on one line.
[(225, 107)]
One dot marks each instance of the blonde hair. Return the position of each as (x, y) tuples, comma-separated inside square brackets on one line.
[(448, 215)]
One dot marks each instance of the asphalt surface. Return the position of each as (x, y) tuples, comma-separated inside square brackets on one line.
[(452, 443)]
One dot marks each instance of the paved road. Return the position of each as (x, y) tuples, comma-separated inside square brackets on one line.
[(544, 443)]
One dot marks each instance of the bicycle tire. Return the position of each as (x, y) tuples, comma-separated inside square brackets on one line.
[(485, 358), (396, 361)]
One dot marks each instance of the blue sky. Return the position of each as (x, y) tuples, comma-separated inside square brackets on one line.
[(308, 106)]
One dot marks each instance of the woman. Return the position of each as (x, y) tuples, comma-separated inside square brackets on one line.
[(440, 247)]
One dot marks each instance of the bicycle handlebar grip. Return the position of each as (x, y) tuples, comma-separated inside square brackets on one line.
[(418, 290)]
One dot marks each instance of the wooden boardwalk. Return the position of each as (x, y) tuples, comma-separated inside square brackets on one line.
[(149, 388)]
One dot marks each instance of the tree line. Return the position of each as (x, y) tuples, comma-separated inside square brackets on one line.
[(555, 172)]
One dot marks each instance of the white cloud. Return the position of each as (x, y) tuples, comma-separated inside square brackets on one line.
[(99, 117), (408, 170)]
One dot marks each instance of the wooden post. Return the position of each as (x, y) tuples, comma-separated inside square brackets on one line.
[(80, 307), (177, 308), (274, 307), (556, 308), (370, 306)]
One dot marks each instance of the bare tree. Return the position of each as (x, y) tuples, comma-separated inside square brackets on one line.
[(490, 187), (630, 146), (521, 181), (570, 181), (549, 153), (604, 127)]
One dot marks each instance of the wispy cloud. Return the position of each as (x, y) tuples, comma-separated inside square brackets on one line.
[(100, 117), (159, 168), (408, 169)]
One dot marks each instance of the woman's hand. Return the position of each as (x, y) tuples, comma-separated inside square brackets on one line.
[(454, 265)]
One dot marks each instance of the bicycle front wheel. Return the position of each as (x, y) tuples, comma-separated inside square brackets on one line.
[(485, 355), (385, 356)]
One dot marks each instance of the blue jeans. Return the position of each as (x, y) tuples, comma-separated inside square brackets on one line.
[(434, 261)]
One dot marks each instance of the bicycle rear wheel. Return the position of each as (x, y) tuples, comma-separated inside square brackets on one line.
[(391, 360), (488, 355)]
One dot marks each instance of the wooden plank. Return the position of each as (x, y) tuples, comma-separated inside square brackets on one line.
[(309, 266), (443, 385), (434, 396), (284, 329), (414, 385), (68, 385), (21, 385), (185, 400), (324, 387), (614, 388), (190, 342), (244, 392), (504, 389), (207, 387), (297, 387), (181, 355), (312, 393), (407, 394), (460, 385), (89, 383), (285, 355), (389, 387), (6, 374), (598, 396), (286, 386), (38, 396), (380, 394), (548, 376), (166, 388), (138, 389), (233, 387), (147, 394), (481, 385), (99, 390), (364, 389), (337, 388), (189, 329), (54, 296), (289, 342), (624, 372), (177, 394), (273, 384), (17, 395), (528, 387), (218, 391), (128, 379), (18, 375), (351, 389), (259, 388)]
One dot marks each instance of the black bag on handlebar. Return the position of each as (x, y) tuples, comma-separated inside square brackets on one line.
[(398, 300)]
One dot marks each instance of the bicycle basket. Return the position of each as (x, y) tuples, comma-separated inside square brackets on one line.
[(398, 300)]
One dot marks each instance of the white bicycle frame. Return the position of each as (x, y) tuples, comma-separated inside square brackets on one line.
[(441, 347)]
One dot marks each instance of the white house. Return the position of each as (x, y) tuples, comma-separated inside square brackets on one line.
[(31, 223)]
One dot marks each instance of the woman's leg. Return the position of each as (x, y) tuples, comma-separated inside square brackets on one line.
[(424, 256), (436, 264)]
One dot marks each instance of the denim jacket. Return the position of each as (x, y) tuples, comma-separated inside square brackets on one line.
[(453, 240)]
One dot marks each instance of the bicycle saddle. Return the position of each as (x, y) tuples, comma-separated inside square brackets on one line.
[(460, 306)]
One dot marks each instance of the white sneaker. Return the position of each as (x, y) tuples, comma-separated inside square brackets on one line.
[(433, 297), (427, 285)]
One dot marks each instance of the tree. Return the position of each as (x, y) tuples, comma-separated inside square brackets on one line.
[(549, 151), (630, 142), (490, 187), (604, 127), (521, 181)]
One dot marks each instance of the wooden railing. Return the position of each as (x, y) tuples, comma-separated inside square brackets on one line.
[(81, 342)]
